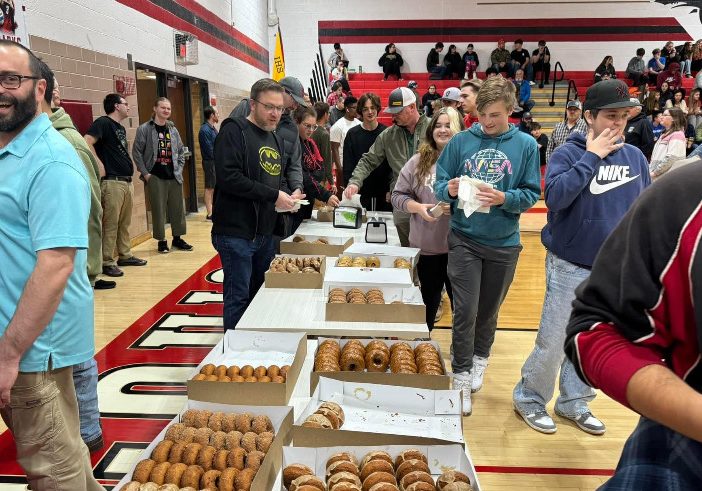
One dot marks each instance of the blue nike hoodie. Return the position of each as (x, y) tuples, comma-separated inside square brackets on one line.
[(510, 162), (587, 196)]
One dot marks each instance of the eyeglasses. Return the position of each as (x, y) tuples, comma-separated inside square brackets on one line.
[(310, 127), (270, 107), (13, 81)]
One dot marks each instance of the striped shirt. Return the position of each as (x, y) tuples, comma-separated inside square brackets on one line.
[(561, 133)]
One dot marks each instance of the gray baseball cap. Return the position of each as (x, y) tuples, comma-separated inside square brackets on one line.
[(293, 87)]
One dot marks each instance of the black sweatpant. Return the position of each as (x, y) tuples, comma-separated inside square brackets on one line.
[(433, 275)]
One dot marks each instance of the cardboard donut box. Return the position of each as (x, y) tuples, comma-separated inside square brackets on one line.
[(253, 348), (410, 311), (386, 274), (385, 378), (281, 417), (308, 281), (336, 245)]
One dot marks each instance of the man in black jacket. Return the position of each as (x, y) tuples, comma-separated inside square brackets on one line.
[(639, 130), (251, 174), (436, 69)]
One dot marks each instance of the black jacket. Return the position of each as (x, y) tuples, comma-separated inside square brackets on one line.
[(432, 59), (639, 133)]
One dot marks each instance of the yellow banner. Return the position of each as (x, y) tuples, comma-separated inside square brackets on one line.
[(278, 69)]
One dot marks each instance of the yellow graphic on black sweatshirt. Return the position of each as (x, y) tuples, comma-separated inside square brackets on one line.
[(269, 159)]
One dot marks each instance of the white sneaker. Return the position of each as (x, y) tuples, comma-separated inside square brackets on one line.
[(479, 366), (462, 382), (439, 313), (532, 83)]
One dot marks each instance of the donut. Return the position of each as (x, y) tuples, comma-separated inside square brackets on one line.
[(384, 486), (200, 376), (149, 486), (377, 465), (377, 344), (233, 440), (317, 421), (342, 456), (188, 488), (284, 371), (451, 477), (248, 441), (191, 477), (202, 418), (233, 370), (205, 457), (416, 476), (273, 371), (352, 362), (251, 379), (254, 459), (378, 477), (410, 454), (188, 417), (411, 466), (236, 458), (175, 473), (264, 441), (174, 431), (209, 480), (278, 379), (246, 371), (260, 371), (345, 486), (158, 473), (243, 479), (331, 416), (342, 466), (421, 486), (265, 378), (220, 371), (293, 471), (336, 408), (168, 487), (215, 421), (218, 439), (211, 378), (187, 435), (226, 479), (219, 461), (202, 436), (160, 453), (401, 346), (377, 360), (307, 480), (131, 486), (228, 423), (344, 477), (208, 369), (375, 455), (373, 262), (243, 422), (190, 453), (142, 471), (299, 238), (261, 423)]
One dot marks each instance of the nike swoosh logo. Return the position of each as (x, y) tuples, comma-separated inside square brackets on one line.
[(597, 188)]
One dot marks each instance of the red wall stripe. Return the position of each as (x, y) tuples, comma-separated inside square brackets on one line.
[(468, 23)]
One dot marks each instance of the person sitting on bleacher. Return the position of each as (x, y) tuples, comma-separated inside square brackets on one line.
[(541, 61), (434, 68), (523, 91), (605, 70), (637, 70), (391, 61), (453, 63), (655, 66), (471, 62), (500, 59), (671, 75)]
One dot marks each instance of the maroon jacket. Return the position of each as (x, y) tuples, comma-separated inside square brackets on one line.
[(637, 308), (671, 75)]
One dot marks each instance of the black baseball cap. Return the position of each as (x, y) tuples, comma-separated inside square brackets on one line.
[(293, 87), (608, 94)]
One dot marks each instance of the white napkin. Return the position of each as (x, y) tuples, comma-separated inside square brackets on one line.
[(355, 201), (467, 196), (298, 203)]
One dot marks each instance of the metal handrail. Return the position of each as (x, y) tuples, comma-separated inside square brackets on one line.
[(556, 67), (571, 84)]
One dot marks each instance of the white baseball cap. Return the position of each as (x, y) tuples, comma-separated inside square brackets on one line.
[(452, 94), (399, 99)]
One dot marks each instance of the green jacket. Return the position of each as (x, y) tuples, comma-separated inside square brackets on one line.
[(393, 144), (63, 123)]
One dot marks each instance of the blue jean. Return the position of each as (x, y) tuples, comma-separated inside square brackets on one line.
[(685, 67), (85, 379), (656, 458), (437, 72), (528, 105), (244, 263), (539, 372), (528, 71)]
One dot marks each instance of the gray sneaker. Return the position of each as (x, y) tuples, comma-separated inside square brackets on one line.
[(538, 420), (587, 422)]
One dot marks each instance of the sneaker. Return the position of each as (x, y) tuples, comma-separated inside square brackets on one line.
[(479, 366), (104, 284), (587, 422), (538, 420), (112, 270), (208, 218), (163, 247), (439, 313), (531, 82), (131, 261), (179, 243), (462, 382)]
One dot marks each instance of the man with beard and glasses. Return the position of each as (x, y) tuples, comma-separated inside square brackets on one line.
[(396, 145), (107, 139), (46, 308)]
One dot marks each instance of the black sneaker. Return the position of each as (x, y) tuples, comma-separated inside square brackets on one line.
[(179, 243), (112, 270), (104, 285), (131, 261), (208, 218), (163, 247)]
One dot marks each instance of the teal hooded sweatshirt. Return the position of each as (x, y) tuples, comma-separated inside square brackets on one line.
[(510, 162)]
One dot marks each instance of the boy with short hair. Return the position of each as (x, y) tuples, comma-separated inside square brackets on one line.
[(541, 141), (591, 181), (484, 247)]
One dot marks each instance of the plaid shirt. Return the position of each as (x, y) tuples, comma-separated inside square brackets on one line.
[(560, 133)]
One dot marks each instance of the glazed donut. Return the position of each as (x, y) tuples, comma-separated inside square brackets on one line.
[(187, 435), (243, 422), (200, 376), (378, 477), (331, 416), (228, 423), (375, 455), (205, 457), (377, 360), (273, 371), (307, 480), (246, 371), (215, 421), (318, 421), (337, 457), (233, 440), (278, 379), (334, 407), (377, 344), (211, 378), (244, 479), (248, 441), (208, 369), (218, 439), (174, 431), (158, 473), (131, 486), (220, 371), (175, 473), (219, 461), (299, 238), (410, 454), (202, 436), (401, 346), (209, 480), (293, 471), (261, 423), (226, 479), (352, 362), (411, 466), (168, 487), (342, 466), (142, 471), (378, 465), (191, 476), (344, 477), (251, 379), (238, 378), (233, 370), (373, 262), (190, 453), (264, 441), (416, 476), (421, 486), (384, 486), (330, 344), (284, 371), (260, 371), (160, 453), (236, 458), (345, 486), (149, 486), (451, 477), (254, 459)]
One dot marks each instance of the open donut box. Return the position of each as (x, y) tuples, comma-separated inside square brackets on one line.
[(336, 245), (441, 458), (383, 415), (386, 253), (308, 281), (410, 311), (437, 382), (253, 348), (281, 417), (384, 275)]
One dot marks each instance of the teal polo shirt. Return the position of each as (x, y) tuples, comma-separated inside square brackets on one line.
[(44, 204)]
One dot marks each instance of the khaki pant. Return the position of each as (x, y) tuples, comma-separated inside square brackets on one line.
[(116, 218), (95, 236), (166, 199), (43, 418)]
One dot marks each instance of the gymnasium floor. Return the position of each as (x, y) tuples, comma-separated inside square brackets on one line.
[(155, 330)]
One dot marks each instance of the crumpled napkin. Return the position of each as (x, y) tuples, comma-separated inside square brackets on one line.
[(467, 196)]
